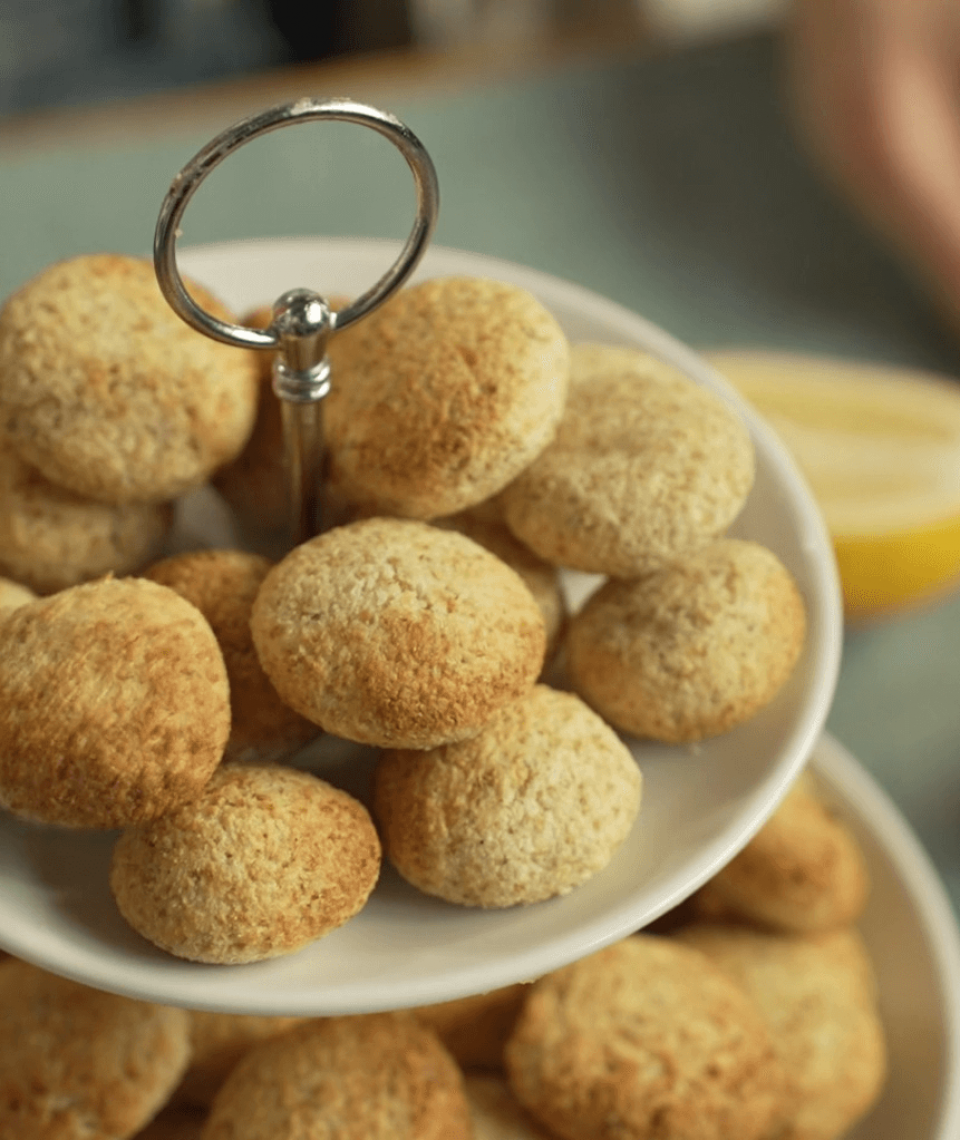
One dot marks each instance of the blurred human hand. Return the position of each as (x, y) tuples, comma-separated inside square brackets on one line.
[(875, 89)]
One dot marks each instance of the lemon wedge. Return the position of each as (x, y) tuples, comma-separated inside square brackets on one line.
[(880, 447)]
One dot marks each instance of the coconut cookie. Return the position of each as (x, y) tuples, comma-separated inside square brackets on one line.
[(114, 704), (267, 860), (76, 1063), (443, 395), (818, 997), (532, 806), (803, 872), (51, 538), (222, 584), (646, 467), (692, 651), (647, 1040), (109, 393), (395, 633), (374, 1077)]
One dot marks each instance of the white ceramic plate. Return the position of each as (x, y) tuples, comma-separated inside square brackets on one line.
[(911, 933), (701, 804)]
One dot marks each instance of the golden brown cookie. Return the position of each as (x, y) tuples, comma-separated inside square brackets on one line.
[(803, 872), (14, 594), (475, 1029), (266, 860), (443, 395), (817, 995), (218, 1041), (496, 1112), (222, 584), (646, 467), (532, 806), (646, 1040), (109, 393), (375, 1077), (76, 1063), (114, 704), (395, 633), (692, 651), (51, 538)]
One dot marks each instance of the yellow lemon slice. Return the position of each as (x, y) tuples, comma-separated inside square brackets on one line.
[(880, 447)]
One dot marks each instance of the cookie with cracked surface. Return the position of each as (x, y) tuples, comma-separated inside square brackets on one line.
[(370, 1077), (691, 651), (107, 392), (396, 633), (77, 1063), (265, 861), (818, 996), (645, 1040), (647, 466), (52, 538), (532, 806), (443, 395), (802, 873), (222, 584), (114, 704)]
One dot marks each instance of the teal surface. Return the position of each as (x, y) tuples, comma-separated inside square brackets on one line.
[(670, 184)]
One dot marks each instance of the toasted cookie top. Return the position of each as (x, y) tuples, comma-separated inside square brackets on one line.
[(114, 704), (443, 395), (77, 1063), (370, 1077), (266, 860), (646, 466), (396, 633), (108, 392), (222, 584), (51, 538), (529, 808), (691, 651), (647, 1039)]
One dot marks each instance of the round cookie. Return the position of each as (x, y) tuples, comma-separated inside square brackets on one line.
[(222, 584), (692, 651), (645, 1040), (265, 861), (114, 704), (646, 467), (443, 395), (395, 633), (818, 997), (13, 594), (532, 806), (218, 1041), (475, 1028), (374, 1077), (803, 872), (51, 538), (109, 393), (77, 1063)]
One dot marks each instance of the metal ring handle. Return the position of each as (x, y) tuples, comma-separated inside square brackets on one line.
[(186, 183)]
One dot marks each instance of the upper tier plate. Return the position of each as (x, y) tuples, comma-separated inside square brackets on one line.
[(701, 804)]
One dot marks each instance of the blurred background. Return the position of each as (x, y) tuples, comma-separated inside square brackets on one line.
[(72, 52)]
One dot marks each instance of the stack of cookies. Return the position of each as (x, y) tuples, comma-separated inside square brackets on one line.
[(751, 1013), (475, 454)]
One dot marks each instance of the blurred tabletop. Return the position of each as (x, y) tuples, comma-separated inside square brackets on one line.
[(668, 181)]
